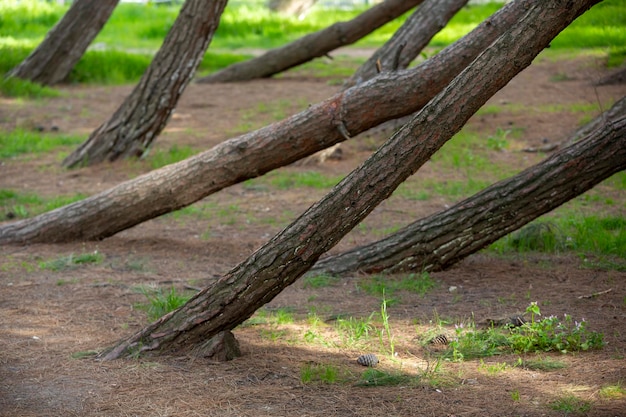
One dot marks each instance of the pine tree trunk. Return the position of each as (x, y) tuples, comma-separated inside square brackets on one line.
[(144, 113), (280, 262), (64, 45), (178, 185), (313, 45), (442, 239), (409, 40)]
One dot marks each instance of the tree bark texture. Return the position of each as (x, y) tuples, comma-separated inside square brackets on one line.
[(144, 113), (175, 186), (280, 262), (64, 45), (408, 41), (313, 45), (444, 238)]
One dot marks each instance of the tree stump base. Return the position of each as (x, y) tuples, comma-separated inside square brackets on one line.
[(222, 347)]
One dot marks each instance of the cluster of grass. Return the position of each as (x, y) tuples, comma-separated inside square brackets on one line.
[(588, 235), (160, 302), (551, 334), (16, 204), (20, 141), (384, 285), (284, 180), (71, 261), (175, 153)]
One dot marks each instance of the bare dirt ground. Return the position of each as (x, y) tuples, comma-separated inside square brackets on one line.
[(48, 317)]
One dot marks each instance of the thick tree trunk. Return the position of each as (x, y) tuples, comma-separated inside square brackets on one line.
[(314, 45), (409, 40), (64, 45), (144, 113), (256, 281), (444, 238), (178, 185)]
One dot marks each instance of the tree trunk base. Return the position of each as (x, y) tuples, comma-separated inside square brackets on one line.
[(222, 347)]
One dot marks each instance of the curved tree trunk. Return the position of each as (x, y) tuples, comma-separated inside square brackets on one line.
[(178, 185), (144, 113), (64, 45), (313, 45), (408, 41), (442, 239), (280, 262)]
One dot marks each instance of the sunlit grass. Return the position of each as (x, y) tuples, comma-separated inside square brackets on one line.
[(19, 141), (16, 204)]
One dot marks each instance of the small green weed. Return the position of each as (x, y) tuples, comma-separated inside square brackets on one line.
[(324, 373), (385, 284), (546, 364), (159, 302), (286, 180), (354, 330), (493, 368), (570, 404), (378, 378), (499, 141), (174, 154), (386, 332), (21, 141), (515, 396), (613, 391), (319, 280), (71, 261)]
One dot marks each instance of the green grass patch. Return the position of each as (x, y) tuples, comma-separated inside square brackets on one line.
[(175, 153), (570, 404), (321, 373), (72, 261), (285, 180), (15, 204), (613, 392), (15, 87), (319, 280), (160, 302), (546, 364), (381, 285), (19, 141), (379, 378)]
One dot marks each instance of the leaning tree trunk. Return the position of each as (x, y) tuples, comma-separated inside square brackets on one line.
[(178, 185), (64, 45), (408, 41), (313, 45), (144, 113), (280, 262), (442, 239)]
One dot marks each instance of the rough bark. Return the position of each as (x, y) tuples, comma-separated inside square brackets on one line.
[(313, 45), (64, 45), (408, 41), (178, 185), (144, 113), (442, 239), (618, 77), (280, 262)]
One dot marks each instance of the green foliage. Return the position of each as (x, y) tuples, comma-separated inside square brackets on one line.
[(549, 334), (15, 87), (20, 141), (324, 373), (174, 154), (72, 261), (319, 280), (109, 67), (378, 378), (354, 330), (570, 404), (22, 205), (381, 284), (159, 302)]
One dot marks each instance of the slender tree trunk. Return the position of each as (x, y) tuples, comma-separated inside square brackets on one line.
[(64, 45), (144, 113), (442, 239), (409, 40), (178, 185), (314, 45), (280, 262)]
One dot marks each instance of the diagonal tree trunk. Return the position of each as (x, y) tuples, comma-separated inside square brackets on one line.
[(313, 45), (444, 238), (144, 113), (178, 185), (408, 41), (64, 45), (280, 262)]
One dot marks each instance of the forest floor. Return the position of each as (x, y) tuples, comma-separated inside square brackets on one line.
[(54, 312)]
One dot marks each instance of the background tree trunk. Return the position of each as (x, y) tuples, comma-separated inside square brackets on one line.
[(64, 45), (313, 45), (178, 185), (236, 296), (440, 240), (295, 7), (144, 113), (408, 41)]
